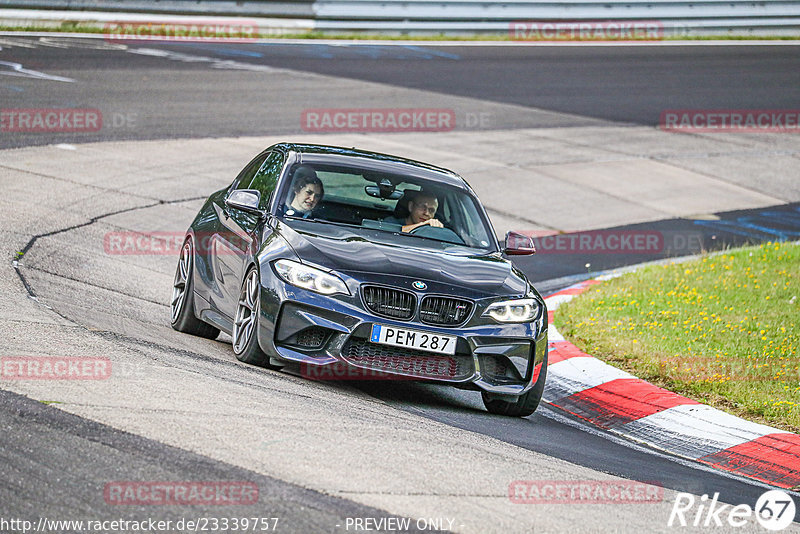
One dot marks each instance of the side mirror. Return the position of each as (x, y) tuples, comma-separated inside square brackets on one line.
[(519, 244), (245, 200)]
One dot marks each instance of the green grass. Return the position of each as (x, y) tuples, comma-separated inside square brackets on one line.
[(65, 27), (69, 27), (722, 329), (88, 28)]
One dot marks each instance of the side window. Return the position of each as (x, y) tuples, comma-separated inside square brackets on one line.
[(266, 178), (246, 176)]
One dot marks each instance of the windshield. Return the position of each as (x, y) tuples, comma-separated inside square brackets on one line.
[(402, 205)]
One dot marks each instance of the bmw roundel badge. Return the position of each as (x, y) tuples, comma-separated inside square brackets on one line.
[(420, 285)]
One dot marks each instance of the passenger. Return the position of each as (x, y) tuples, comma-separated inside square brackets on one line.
[(421, 211), (306, 192)]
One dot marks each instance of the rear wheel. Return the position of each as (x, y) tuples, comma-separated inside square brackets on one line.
[(245, 325), (182, 305), (524, 405)]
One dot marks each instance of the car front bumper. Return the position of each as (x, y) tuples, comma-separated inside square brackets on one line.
[(321, 332)]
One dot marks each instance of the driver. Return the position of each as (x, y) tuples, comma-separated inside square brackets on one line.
[(421, 211)]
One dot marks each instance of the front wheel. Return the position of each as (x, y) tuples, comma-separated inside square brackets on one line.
[(524, 405), (245, 325), (182, 305)]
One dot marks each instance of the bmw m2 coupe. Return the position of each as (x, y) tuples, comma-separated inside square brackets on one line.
[(320, 256)]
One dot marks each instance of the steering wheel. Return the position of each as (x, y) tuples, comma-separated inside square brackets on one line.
[(441, 234)]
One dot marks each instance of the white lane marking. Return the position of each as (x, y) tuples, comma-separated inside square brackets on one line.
[(722, 42), (64, 146), (553, 334), (695, 430), (609, 276), (58, 41), (552, 304), (54, 42), (215, 62), (557, 300), (578, 374), (8, 68), (19, 43)]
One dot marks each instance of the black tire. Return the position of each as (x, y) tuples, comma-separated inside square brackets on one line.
[(525, 404), (182, 304), (245, 324)]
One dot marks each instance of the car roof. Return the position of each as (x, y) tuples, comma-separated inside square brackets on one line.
[(311, 153)]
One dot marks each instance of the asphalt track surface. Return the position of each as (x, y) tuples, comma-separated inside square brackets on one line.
[(214, 90), (47, 452), (219, 90), (196, 101)]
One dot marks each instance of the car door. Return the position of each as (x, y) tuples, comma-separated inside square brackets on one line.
[(242, 232)]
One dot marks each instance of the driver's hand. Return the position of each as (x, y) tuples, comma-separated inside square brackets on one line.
[(435, 223)]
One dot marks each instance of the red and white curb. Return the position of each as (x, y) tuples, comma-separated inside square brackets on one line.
[(619, 402)]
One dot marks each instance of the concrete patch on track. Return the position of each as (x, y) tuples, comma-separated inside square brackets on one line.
[(192, 393)]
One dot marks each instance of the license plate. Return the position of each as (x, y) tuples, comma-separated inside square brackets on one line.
[(413, 339)]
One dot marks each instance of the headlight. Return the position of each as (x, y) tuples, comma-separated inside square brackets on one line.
[(514, 311), (309, 278)]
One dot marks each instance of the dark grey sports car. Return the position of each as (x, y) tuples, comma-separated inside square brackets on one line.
[(320, 257)]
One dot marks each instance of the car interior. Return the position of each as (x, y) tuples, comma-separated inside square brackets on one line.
[(366, 200)]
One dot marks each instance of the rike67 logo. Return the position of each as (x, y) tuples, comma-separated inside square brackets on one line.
[(774, 510)]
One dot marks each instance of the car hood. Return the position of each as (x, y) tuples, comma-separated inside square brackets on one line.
[(364, 255)]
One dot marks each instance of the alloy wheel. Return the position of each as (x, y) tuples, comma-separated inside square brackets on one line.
[(246, 313), (181, 277)]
